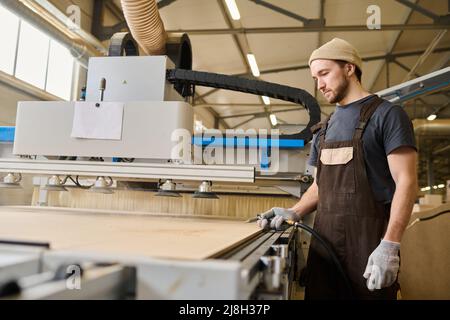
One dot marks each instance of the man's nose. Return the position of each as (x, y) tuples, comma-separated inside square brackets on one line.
[(320, 85)]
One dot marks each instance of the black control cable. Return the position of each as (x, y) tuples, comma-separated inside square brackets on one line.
[(331, 253), (251, 86), (427, 218)]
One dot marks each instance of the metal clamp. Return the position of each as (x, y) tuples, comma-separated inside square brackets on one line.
[(282, 251), (272, 273)]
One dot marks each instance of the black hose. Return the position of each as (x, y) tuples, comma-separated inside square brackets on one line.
[(251, 86), (427, 218), (434, 215), (331, 253), (78, 184)]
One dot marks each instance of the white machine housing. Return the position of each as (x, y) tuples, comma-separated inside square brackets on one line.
[(152, 111), (141, 78)]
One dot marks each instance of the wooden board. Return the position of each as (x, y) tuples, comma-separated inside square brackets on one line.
[(228, 205), (425, 257), (124, 233)]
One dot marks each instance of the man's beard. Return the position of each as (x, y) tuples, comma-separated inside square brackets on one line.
[(341, 91)]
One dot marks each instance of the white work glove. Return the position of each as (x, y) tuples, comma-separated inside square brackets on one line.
[(382, 266), (278, 215)]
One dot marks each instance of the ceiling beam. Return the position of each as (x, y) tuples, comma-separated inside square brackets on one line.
[(401, 65), (390, 50), (98, 30), (442, 108), (116, 11), (240, 41), (420, 9), (306, 66), (164, 3), (426, 54), (403, 54), (215, 114), (345, 28), (438, 107), (260, 113), (288, 13), (243, 122), (242, 52)]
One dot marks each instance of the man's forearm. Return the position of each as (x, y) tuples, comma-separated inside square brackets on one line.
[(308, 202), (401, 209)]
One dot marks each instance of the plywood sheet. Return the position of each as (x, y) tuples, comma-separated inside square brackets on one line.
[(228, 205), (425, 256), (124, 233)]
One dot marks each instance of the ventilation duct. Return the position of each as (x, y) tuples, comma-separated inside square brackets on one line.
[(145, 24), (435, 127)]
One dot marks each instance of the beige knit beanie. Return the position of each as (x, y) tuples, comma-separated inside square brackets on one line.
[(337, 49)]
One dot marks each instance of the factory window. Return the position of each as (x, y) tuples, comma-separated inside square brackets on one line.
[(32, 56), (10, 23), (60, 71)]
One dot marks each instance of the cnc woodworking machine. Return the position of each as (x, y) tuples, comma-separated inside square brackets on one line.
[(112, 214), (125, 137)]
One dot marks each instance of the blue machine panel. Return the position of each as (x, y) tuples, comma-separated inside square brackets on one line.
[(7, 134), (247, 142)]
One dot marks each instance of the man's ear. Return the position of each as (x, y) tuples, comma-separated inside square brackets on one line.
[(350, 69)]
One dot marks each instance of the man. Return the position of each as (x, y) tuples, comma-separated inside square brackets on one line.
[(365, 183)]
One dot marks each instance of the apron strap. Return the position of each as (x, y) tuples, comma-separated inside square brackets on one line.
[(316, 127), (365, 115), (323, 132)]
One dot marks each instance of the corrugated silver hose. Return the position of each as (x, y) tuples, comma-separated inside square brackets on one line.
[(145, 24)]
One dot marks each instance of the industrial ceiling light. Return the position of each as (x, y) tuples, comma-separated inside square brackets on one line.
[(253, 65), (168, 189), (431, 117), (101, 185), (55, 183), (233, 9), (11, 181), (266, 100), (273, 119), (205, 191)]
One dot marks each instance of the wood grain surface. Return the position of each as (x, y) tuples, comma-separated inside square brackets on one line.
[(229, 205), (124, 233)]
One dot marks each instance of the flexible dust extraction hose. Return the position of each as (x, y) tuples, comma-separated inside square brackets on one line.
[(145, 24)]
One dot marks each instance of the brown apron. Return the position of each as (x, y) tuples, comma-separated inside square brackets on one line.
[(348, 218)]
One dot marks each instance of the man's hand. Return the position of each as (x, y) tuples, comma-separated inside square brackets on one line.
[(382, 267), (278, 216)]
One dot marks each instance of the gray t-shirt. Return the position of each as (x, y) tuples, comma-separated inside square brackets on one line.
[(388, 128)]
